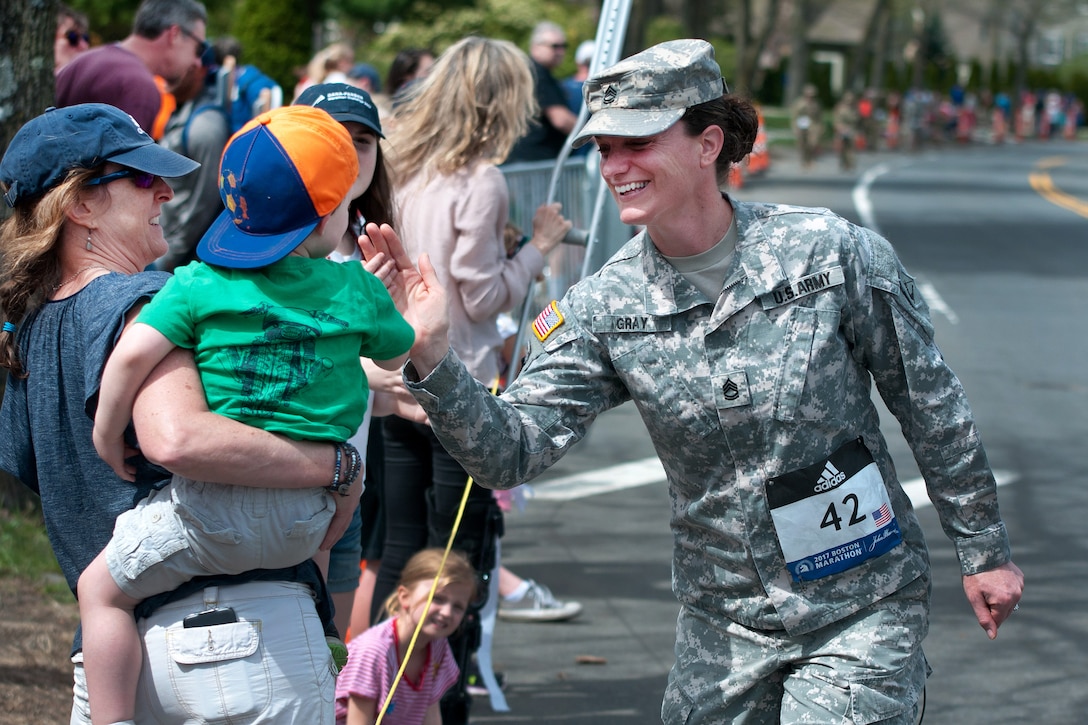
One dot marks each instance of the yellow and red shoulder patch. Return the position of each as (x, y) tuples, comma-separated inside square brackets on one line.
[(547, 321)]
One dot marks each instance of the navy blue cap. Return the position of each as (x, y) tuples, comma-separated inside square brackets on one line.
[(84, 136), (369, 72), (344, 102)]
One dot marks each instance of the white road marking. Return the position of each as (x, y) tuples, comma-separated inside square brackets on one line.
[(864, 205), (648, 470), (601, 480)]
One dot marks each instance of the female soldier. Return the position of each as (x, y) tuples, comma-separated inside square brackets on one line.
[(747, 335)]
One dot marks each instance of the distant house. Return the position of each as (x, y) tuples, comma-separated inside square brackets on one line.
[(971, 28)]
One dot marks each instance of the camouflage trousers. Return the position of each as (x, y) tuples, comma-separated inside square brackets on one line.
[(866, 668)]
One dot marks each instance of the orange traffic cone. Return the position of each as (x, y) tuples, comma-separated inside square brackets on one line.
[(760, 158), (736, 177)]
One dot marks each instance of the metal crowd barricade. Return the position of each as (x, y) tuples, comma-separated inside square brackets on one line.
[(579, 178)]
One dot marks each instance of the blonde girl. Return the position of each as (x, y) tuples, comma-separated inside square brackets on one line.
[(376, 656)]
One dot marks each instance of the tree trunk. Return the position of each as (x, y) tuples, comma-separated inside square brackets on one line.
[(26, 63), (868, 48), (698, 16), (742, 40), (799, 55), (879, 60), (641, 15), (754, 28), (770, 20), (27, 30)]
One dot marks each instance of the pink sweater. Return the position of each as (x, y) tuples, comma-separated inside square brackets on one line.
[(458, 220), (372, 666)]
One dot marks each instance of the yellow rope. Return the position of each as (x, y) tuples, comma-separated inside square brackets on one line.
[(427, 608), (430, 594)]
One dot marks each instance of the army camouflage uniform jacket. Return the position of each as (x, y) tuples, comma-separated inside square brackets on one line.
[(770, 378)]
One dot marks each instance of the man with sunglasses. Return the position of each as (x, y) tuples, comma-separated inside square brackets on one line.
[(554, 120), (72, 36), (167, 40)]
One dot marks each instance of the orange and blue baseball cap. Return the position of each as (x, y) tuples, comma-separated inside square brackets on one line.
[(280, 175)]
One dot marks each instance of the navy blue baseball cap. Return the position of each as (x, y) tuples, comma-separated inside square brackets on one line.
[(84, 136), (344, 102)]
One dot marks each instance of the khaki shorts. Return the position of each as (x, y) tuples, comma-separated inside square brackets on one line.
[(195, 528)]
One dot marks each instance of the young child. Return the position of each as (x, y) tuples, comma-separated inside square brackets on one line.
[(371, 201), (277, 331), (376, 655)]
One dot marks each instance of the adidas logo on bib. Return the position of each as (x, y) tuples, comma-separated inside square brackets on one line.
[(830, 478)]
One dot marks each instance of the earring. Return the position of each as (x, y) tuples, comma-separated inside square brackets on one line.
[(88, 240)]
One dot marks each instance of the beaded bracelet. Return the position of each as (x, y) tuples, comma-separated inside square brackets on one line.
[(337, 486), (355, 463)]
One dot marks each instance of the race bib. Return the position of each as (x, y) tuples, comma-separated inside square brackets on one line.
[(833, 515)]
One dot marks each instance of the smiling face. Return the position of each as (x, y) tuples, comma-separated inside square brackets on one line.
[(451, 601), (126, 217), (652, 179)]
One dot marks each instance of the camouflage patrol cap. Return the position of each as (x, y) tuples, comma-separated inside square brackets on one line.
[(647, 93)]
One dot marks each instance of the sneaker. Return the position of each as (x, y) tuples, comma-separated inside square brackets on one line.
[(339, 652), (474, 683), (538, 605)]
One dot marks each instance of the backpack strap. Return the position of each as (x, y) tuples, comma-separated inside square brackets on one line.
[(196, 112)]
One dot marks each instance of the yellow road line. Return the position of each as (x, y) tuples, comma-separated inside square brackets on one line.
[(1044, 187)]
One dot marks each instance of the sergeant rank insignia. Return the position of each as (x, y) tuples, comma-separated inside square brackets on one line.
[(547, 321)]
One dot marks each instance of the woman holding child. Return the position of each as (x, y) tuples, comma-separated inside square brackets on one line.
[(87, 186)]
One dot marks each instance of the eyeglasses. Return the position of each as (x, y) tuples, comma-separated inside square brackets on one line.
[(141, 179), (75, 38), (202, 46), (557, 46)]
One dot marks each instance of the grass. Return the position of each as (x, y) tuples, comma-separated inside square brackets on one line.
[(25, 553)]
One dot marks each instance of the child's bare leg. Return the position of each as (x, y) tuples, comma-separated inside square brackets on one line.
[(360, 613), (111, 645)]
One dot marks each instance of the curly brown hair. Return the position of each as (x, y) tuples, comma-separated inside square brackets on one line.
[(29, 261)]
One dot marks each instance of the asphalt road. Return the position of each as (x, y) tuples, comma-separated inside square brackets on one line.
[(998, 237)]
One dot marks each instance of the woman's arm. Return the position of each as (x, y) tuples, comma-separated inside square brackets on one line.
[(177, 431)]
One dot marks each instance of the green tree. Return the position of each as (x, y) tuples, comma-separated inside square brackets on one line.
[(277, 36), (437, 26)]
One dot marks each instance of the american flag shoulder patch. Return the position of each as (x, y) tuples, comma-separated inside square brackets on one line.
[(547, 321)]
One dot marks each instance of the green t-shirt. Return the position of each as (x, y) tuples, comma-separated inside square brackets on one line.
[(278, 347)]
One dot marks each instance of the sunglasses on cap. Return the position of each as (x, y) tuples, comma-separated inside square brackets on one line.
[(75, 37), (202, 46), (141, 179)]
